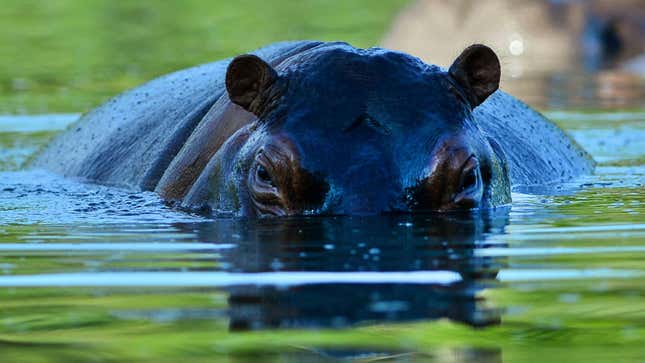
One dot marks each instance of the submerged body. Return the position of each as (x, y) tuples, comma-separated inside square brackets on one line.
[(309, 127)]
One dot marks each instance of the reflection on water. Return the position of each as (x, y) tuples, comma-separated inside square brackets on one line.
[(429, 243)]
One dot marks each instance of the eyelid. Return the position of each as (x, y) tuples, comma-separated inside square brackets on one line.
[(263, 160), (265, 196)]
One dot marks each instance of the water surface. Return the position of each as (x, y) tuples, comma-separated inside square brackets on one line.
[(91, 272)]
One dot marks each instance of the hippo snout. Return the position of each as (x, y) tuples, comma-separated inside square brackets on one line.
[(456, 179)]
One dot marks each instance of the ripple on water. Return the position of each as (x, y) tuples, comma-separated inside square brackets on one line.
[(94, 263)]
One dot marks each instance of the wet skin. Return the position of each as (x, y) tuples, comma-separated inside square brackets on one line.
[(302, 128), (378, 133)]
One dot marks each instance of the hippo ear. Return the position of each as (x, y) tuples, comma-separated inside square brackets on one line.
[(477, 71), (247, 79)]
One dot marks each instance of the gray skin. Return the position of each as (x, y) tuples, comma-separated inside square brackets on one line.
[(321, 128)]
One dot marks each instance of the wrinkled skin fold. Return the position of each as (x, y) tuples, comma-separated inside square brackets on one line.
[(321, 128)]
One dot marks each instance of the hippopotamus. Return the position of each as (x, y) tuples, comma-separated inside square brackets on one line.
[(310, 128)]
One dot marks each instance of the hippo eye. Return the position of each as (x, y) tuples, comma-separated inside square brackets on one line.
[(263, 175)]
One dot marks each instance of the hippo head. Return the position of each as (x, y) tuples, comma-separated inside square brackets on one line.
[(341, 130)]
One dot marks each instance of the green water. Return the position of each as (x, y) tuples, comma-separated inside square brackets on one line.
[(91, 273)]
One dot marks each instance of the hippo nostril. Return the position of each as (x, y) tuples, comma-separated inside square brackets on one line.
[(469, 180), (469, 192), (470, 175)]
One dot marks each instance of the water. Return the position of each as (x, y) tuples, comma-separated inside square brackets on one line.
[(96, 273)]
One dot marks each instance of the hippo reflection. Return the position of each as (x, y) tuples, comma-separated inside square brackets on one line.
[(303, 128), (446, 242)]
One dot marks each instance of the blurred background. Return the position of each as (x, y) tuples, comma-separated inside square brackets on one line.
[(69, 56), (554, 53)]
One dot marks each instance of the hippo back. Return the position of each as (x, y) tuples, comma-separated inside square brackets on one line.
[(538, 152), (130, 140)]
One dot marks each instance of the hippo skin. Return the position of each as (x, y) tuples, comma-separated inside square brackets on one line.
[(309, 127)]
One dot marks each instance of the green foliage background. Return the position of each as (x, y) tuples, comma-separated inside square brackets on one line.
[(69, 55)]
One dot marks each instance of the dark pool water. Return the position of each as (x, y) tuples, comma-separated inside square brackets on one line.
[(92, 273)]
